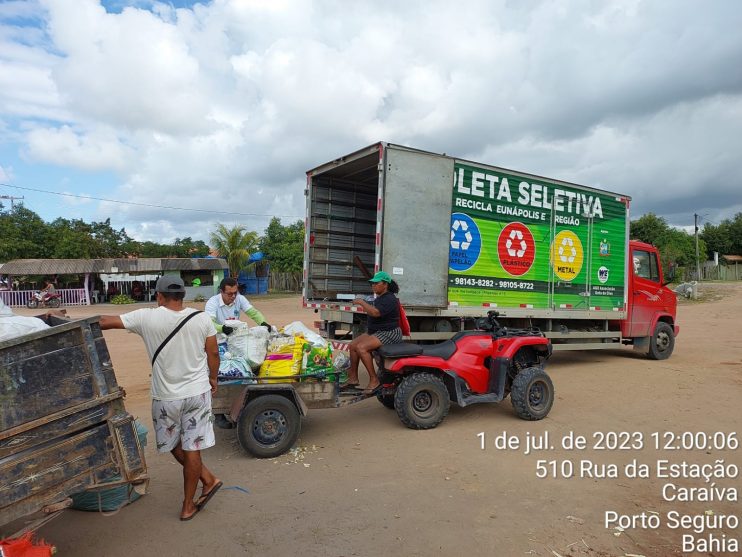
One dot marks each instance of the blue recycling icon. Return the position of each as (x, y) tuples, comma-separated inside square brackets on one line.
[(466, 243)]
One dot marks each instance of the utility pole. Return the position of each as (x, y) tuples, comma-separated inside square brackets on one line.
[(698, 265), (11, 199)]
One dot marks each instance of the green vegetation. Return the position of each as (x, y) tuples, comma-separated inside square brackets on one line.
[(283, 246), (235, 245), (121, 299)]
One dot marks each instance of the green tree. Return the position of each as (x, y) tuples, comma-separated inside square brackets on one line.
[(283, 246), (676, 246), (718, 238), (235, 245), (23, 234)]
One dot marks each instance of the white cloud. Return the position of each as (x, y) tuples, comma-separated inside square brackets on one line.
[(225, 105), (95, 150)]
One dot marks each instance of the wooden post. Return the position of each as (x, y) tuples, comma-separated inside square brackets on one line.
[(87, 289)]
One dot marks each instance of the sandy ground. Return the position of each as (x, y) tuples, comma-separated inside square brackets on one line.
[(362, 484)]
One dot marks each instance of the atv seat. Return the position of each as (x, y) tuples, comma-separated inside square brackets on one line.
[(443, 350), (399, 350)]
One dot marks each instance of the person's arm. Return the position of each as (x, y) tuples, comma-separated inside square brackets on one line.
[(111, 322), (256, 316), (368, 308), (252, 312), (212, 357)]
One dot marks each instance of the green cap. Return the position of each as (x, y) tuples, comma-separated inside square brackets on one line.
[(381, 276)]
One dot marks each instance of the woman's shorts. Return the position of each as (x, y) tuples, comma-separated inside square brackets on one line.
[(393, 336), (187, 421)]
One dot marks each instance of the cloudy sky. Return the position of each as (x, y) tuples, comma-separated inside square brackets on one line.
[(223, 105)]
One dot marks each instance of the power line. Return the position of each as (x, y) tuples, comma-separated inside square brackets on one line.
[(150, 204)]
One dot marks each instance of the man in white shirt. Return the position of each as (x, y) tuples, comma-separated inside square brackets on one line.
[(228, 304), (184, 369)]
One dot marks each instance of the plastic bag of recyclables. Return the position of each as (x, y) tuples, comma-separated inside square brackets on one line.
[(284, 358), (295, 354)]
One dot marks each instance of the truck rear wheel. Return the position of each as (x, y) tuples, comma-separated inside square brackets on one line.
[(533, 394), (662, 342), (421, 401), (268, 426)]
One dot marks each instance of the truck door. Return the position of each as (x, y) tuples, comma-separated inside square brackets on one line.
[(416, 224), (645, 284)]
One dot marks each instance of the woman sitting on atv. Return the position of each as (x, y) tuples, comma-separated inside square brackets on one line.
[(383, 328)]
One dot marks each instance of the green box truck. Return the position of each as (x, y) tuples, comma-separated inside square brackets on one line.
[(463, 238)]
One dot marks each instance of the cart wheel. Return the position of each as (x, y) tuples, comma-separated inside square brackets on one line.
[(533, 394), (268, 426)]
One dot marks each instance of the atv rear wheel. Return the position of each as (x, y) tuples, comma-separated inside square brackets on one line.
[(386, 400), (533, 394), (421, 401)]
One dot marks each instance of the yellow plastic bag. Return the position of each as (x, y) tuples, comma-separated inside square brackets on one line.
[(286, 361)]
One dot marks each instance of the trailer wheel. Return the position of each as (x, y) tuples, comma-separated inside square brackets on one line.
[(268, 426), (533, 394), (421, 401), (662, 342)]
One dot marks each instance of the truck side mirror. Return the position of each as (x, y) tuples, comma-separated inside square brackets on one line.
[(669, 277)]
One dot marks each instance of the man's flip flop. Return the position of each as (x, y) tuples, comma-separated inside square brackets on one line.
[(201, 502)]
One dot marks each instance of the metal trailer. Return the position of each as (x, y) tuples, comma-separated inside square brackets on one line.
[(63, 425), (391, 207), (268, 414)]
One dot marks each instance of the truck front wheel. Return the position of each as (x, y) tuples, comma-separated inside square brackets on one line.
[(662, 342), (421, 401), (533, 394), (268, 426)]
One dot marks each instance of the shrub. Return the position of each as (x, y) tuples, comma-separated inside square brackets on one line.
[(122, 299), (199, 298)]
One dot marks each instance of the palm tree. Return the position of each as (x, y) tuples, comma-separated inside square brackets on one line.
[(235, 245)]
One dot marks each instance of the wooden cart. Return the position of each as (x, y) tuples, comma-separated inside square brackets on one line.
[(63, 425)]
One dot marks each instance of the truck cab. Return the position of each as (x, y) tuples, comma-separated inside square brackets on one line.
[(652, 307)]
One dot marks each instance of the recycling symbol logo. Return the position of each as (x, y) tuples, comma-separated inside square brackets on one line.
[(510, 244), (466, 242), (463, 226), (516, 249), (567, 255), (567, 251)]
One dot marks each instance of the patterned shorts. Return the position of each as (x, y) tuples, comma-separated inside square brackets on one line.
[(187, 421), (389, 337)]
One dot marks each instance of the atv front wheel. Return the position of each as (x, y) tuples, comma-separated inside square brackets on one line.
[(532, 394), (421, 401)]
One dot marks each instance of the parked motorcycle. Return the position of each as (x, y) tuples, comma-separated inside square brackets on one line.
[(485, 365), (44, 300)]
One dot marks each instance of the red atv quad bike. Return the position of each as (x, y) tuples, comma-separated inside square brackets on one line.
[(485, 365)]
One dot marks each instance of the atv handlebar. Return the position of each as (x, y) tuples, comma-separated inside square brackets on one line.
[(490, 323)]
